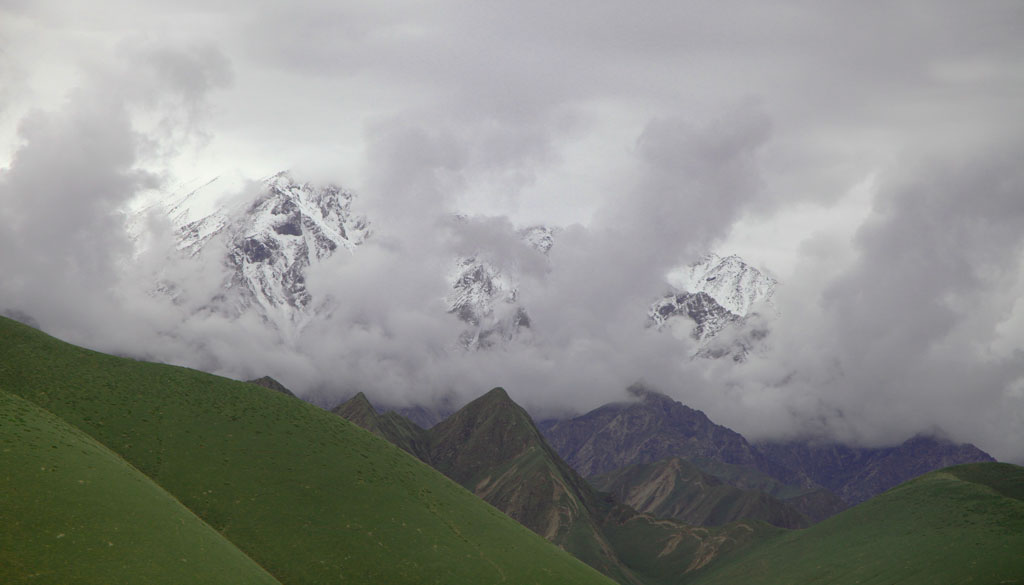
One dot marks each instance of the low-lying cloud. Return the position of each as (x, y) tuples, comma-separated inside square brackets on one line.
[(913, 325)]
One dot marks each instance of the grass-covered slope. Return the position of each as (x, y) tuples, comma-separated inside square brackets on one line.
[(492, 447), (390, 426), (71, 511), (963, 524), (305, 494)]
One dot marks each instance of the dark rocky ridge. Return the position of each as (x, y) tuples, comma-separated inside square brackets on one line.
[(268, 382), (655, 427), (857, 474), (708, 316), (493, 449), (649, 429)]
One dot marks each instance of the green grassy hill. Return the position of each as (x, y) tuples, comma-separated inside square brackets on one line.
[(74, 512), (962, 524), (304, 494)]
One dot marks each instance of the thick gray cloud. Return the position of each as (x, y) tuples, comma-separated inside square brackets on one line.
[(650, 134), (65, 245)]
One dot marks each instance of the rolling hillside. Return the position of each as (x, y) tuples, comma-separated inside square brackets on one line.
[(74, 512), (304, 494), (962, 524)]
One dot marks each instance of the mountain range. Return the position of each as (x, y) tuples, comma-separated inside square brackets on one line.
[(646, 490), (649, 465), (267, 243), (653, 427), (119, 471), (492, 448), (123, 471)]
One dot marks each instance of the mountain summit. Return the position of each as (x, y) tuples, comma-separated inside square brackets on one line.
[(492, 448), (735, 285), (267, 244), (485, 296), (717, 294)]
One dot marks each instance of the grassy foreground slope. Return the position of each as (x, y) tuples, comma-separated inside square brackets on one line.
[(307, 495), (962, 524), (71, 511)]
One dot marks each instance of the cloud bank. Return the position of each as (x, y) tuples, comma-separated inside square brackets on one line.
[(649, 136)]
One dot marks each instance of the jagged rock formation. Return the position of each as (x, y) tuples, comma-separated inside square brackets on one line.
[(266, 245), (486, 296), (717, 294), (709, 317), (734, 284), (492, 448)]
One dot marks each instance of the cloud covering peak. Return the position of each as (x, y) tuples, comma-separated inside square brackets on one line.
[(866, 155)]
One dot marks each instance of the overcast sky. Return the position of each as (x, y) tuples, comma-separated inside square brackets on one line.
[(867, 155)]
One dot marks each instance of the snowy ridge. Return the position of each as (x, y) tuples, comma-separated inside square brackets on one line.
[(268, 244), (709, 316), (485, 297), (733, 283), (539, 237), (267, 241), (718, 295)]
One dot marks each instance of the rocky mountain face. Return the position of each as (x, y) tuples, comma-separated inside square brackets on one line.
[(709, 317), (676, 488), (738, 287), (717, 294), (857, 474), (493, 449), (655, 427), (651, 428), (267, 244), (486, 296)]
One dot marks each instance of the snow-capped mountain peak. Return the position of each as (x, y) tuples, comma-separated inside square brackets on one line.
[(485, 296), (717, 293), (733, 283), (268, 241), (539, 237)]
